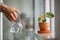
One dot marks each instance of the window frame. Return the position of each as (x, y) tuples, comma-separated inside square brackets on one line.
[(49, 7)]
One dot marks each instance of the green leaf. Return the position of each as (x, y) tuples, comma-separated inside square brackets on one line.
[(49, 15), (39, 19), (44, 20)]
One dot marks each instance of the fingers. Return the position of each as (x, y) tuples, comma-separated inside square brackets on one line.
[(14, 13), (10, 13), (8, 17), (17, 11), (13, 17)]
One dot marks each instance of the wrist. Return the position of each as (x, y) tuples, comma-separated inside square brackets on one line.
[(1, 7)]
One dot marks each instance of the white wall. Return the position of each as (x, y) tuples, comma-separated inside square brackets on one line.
[(57, 18)]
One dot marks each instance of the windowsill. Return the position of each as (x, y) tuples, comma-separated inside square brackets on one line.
[(45, 35)]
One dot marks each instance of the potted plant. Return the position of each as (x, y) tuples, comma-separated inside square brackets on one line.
[(43, 24)]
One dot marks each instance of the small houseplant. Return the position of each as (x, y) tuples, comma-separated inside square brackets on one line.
[(42, 22)]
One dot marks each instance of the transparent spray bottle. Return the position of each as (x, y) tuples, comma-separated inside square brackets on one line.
[(16, 26)]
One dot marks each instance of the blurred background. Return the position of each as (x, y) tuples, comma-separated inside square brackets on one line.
[(26, 7)]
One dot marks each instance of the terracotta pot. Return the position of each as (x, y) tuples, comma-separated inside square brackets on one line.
[(44, 26)]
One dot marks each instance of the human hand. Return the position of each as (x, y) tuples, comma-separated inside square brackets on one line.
[(9, 12)]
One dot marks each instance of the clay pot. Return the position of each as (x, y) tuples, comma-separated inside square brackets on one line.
[(43, 26)]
